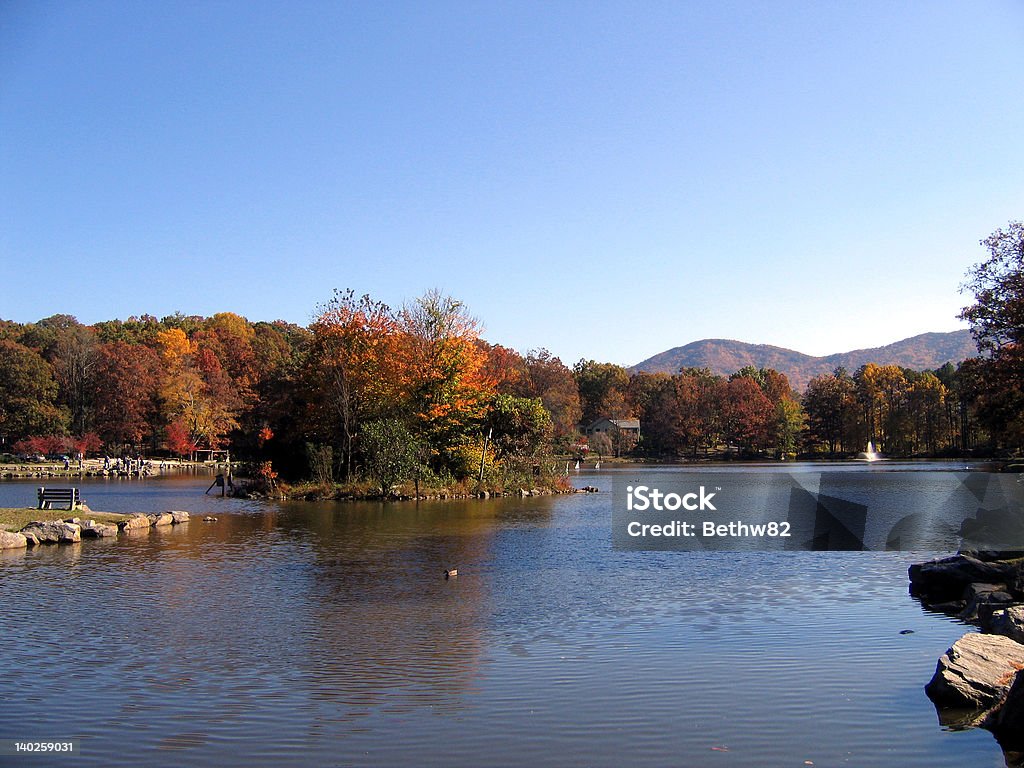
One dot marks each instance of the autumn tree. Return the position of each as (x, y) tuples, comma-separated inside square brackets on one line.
[(134, 330), (997, 324), (505, 367), (351, 374), (926, 397), (699, 394), (787, 419), (602, 390), (830, 403), (548, 378), (179, 439), (127, 395), (880, 391), (746, 414), (444, 371), (655, 397), (28, 395), (997, 314), (196, 391)]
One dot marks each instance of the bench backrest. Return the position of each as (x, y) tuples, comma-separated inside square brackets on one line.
[(58, 494)]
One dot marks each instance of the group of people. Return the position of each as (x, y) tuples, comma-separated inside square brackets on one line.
[(137, 466)]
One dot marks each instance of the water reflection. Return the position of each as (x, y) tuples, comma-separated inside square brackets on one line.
[(300, 634)]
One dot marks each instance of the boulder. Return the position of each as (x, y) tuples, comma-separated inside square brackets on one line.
[(162, 518), (93, 530), (179, 517), (54, 531), (1008, 622), (31, 538), (10, 540), (135, 520), (983, 599), (1007, 722), (946, 579), (976, 672)]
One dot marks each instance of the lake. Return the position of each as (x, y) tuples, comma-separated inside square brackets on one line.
[(304, 633)]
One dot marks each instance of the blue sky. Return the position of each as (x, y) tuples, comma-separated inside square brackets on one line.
[(607, 180)]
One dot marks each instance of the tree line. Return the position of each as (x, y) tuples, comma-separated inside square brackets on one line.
[(370, 389), (365, 389)]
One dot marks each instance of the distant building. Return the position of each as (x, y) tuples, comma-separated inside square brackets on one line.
[(614, 427)]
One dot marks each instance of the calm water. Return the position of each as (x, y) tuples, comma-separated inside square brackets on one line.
[(324, 634)]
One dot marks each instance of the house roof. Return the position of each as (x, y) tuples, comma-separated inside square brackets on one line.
[(619, 423)]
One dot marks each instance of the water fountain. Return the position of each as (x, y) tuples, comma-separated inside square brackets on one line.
[(870, 454)]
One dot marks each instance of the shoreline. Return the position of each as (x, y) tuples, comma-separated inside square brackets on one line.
[(94, 468), (25, 528)]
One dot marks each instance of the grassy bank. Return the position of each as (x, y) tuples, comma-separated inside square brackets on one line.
[(16, 518)]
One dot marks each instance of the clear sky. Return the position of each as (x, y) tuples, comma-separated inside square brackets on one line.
[(607, 180)]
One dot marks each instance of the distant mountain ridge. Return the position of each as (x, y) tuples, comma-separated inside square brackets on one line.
[(724, 356)]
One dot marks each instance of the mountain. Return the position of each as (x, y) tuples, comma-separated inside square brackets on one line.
[(724, 357)]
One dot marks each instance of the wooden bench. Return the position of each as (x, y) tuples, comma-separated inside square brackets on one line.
[(49, 496)]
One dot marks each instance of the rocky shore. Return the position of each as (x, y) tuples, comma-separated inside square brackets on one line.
[(74, 529), (978, 682), (317, 493)]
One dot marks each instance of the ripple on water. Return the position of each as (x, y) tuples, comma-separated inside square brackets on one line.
[(324, 634)]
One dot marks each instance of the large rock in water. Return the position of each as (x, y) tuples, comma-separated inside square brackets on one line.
[(947, 579), (1008, 622), (54, 531), (179, 517), (10, 540), (135, 520), (92, 529), (162, 518), (976, 672)]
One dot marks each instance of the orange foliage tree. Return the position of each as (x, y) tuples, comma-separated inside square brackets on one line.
[(445, 373), (352, 372)]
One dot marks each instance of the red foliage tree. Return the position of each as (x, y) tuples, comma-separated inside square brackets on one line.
[(127, 393), (179, 440)]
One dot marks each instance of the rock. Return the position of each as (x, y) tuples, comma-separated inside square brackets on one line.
[(179, 517), (988, 555), (1007, 722), (946, 579), (162, 518), (93, 530), (1008, 622), (31, 538), (10, 540), (982, 599), (209, 519), (135, 520), (976, 672), (54, 531)]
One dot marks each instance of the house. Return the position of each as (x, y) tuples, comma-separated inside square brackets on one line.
[(614, 427)]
